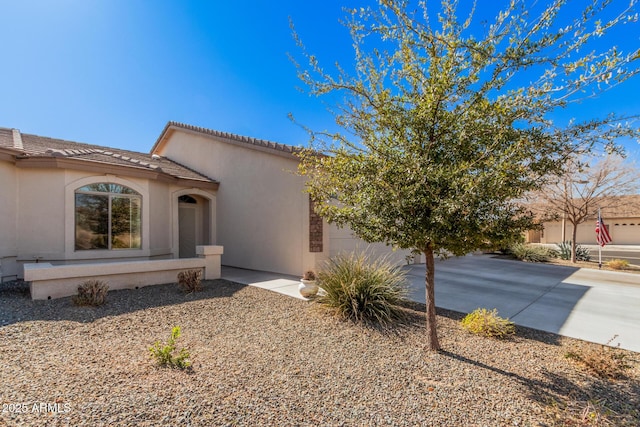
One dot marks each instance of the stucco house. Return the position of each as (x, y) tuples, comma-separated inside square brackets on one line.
[(65, 202), (622, 221)]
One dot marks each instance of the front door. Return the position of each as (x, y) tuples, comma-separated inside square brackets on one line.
[(187, 230)]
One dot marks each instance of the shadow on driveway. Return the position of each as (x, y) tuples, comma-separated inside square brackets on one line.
[(587, 304), (512, 287)]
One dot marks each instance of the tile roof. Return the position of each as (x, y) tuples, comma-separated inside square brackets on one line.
[(621, 206), (255, 142), (27, 146)]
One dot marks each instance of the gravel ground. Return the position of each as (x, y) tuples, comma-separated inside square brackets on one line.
[(260, 358)]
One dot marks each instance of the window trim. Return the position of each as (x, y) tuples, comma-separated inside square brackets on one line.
[(139, 186), (110, 195)]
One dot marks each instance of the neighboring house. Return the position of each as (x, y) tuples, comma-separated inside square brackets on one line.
[(623, 223), (66, 202)]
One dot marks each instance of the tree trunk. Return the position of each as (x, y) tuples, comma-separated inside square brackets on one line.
[(573, 243), (432, 332)]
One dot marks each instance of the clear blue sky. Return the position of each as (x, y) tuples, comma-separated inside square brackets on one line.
[(113, 72)]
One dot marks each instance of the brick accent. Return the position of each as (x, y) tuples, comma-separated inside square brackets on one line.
[(315, 229)]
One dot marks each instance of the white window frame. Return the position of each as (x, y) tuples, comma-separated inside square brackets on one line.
[(139, 186)]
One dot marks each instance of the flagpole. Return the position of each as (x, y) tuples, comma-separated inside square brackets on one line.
[(600, 225)]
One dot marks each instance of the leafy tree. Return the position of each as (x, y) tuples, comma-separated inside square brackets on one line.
[(445, 125), (586, 185)]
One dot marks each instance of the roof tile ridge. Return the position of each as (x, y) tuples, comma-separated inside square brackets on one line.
[(135, 162), (17, 139), (188, 168), (240, 138)]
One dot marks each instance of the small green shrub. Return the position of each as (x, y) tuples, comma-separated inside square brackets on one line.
[(618, 264), (363, 290), (190, 280), (532, 253), (164, 354), (603, 361), (91, 292), (564, 252), (487, 323)]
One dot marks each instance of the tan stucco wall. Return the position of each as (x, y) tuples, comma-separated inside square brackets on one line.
[(343, 240), (261, 209), (621, 230), (41, 226), (160, 207), (8, 243), (41, 211)]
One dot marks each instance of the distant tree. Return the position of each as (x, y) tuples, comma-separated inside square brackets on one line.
[(586, 185), (445, 125)]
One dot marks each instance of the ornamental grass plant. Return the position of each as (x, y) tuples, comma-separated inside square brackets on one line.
[(362, 289)]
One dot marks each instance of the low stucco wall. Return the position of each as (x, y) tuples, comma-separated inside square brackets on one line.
[(56, 281), (8, 268)]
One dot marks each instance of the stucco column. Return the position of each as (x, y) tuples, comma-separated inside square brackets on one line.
[(212, 260)]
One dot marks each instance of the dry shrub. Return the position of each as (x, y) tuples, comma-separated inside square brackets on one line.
[(190, 280), (487, 323), (594, 412), (91, 292), (618, 264), (602, 361)]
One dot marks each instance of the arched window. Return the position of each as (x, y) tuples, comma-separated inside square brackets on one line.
[(187, 199), (107, 216)]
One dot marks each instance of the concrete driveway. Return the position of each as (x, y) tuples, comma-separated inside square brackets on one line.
[(581, 303)]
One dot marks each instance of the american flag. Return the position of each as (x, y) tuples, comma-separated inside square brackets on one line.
[(602, 234)]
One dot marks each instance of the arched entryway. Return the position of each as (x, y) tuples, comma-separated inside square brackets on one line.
[(194, 224)]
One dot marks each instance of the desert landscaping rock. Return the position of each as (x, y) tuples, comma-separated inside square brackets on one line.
[(260, 358)]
